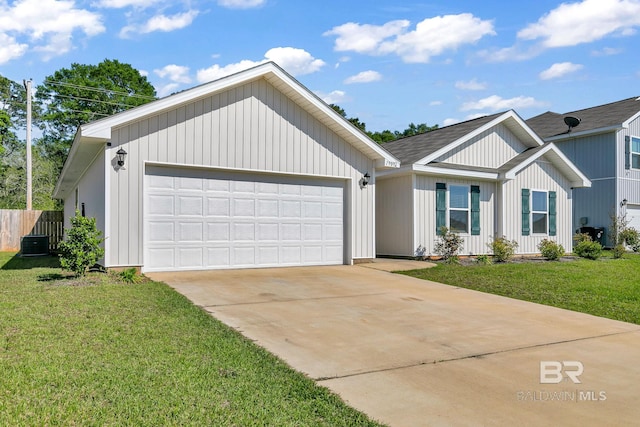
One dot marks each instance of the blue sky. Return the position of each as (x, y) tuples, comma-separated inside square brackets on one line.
[(386, 62)]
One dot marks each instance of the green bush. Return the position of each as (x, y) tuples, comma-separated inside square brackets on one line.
[(483, 259), (81, 247), (586, 248), (503, 249), (550, 249), (130, 275), (619, 251), (630, 237), (448, 244)]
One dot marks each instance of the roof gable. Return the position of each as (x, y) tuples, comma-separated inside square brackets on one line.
[(427, 147), (597, 119)]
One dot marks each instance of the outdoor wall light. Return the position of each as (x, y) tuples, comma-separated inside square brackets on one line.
[(365, 179), (121, 155), (623, 202)]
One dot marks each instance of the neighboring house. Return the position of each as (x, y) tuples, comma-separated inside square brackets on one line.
[(606, 147), (252, 170), (483, 178)]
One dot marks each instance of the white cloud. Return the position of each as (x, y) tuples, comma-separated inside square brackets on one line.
[(334, 97), (241, 4), (472, 84), (294, 61), (607, 51), (47, 25), (175, 73), (364, 77), (450, 121), (431, 37), (365, 38), (497, 103), (435, 103), (119, 4), (560, 69), (571, 24), (167, 89), (162, 23), (10, 48)]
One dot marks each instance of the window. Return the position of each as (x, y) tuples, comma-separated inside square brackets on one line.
[(459, 208), (539, 212), (635, 152)]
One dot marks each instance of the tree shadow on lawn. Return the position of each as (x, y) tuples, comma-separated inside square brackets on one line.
[(19, 262)]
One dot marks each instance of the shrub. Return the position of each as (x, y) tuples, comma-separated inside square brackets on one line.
[(448, 244), (81, 247), (618, 251), (586, 248), (630, 237), (503, 248), (550, 249), (130, 275), (483, 259)]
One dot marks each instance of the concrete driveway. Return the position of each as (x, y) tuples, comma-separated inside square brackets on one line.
[(410, 352)]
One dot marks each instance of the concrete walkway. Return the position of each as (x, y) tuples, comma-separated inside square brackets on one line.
[(416, 353)]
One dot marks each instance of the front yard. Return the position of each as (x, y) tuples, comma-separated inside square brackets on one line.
[(606, 287), (98, 351)]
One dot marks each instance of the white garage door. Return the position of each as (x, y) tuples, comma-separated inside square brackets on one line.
[(633, 216), (205, 220)]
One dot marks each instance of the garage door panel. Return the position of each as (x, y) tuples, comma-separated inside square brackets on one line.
[(218, 206), (200, 220), (190, 205)]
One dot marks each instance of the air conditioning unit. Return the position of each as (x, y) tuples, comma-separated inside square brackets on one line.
[(34, 245)]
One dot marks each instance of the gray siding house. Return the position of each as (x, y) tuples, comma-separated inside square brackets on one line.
[(492, 176), (606, 147), (252, 170)]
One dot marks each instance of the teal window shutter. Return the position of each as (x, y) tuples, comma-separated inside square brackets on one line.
[(441, 206), (627, 152), (475, 210), (552, 213), (526, 229)]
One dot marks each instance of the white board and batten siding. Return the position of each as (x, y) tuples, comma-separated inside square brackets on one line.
[(425, 214), (540, 175), (628, 179), (90, 191), (394, 216), (491, 149), (249, 128)]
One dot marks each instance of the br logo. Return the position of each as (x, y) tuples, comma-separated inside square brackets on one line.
[(553, 372)]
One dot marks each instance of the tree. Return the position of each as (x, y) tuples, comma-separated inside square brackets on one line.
[(84, 93), (354, 120), (81, 248)]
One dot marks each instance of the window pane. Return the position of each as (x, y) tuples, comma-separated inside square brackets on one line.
[(635, 161), (635, 145), (539, 201), (459, 221), (458, 197), (539, 223)]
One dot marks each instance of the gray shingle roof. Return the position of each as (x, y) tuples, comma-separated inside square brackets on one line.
[(413, 148), (551, 124)]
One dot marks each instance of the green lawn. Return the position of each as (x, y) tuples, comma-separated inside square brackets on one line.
[(97, 351), (607, 287)]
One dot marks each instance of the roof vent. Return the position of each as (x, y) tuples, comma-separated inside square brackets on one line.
[(572, 122)]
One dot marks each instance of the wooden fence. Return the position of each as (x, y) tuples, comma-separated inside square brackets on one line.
[(14, 224)]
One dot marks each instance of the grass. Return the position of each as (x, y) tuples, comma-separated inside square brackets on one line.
[(606, 287), (100, 351)]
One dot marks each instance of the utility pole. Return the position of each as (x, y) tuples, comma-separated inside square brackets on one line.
[(27, 86)]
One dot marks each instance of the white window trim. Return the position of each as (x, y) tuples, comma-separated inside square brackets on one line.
[(546, 212), (468, 209), (631, 152)]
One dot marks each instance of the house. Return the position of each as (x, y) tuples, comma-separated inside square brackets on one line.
[(605, 145), (492, 176), (252, 170)]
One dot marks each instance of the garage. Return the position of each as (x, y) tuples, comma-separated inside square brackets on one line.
[(201, 219), (633, 216)]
